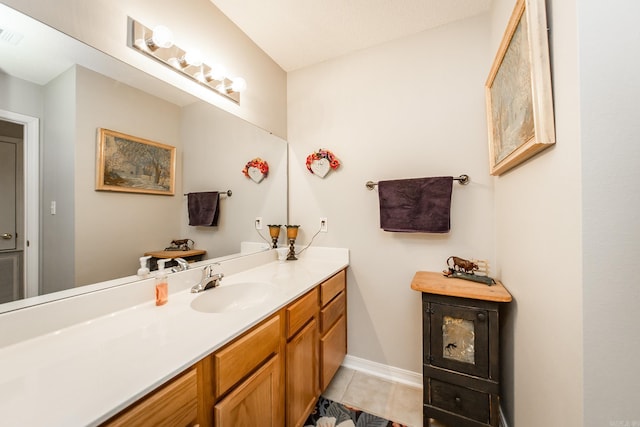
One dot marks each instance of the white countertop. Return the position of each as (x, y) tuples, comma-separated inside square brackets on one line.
[(84, 373)]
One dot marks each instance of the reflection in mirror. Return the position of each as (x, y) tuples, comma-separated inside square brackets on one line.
[(78, 236)]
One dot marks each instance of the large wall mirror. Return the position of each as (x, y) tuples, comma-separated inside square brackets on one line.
[(58, 233)]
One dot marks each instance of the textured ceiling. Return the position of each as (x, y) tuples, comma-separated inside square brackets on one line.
[(298, 33)]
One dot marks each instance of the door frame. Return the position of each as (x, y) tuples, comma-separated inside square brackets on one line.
[(31, 182)]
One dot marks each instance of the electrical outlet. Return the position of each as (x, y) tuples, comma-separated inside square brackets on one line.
[(323, 225), (258, 223)]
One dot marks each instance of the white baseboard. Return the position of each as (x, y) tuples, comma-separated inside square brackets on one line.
[(391, 373)]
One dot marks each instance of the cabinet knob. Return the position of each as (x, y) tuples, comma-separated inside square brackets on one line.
[(7, 236), (482, 317), (458, 400)]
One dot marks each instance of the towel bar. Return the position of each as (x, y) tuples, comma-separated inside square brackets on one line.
[(463, 179), (228, 193)]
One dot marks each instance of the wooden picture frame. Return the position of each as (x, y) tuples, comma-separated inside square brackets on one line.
[(130, 164), (518, 90)]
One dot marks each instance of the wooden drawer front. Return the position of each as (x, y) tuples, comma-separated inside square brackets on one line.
[(175, 404), (332, 287), (333, 349), (332, 312), (241, 357), (255, 402), (299, 312), (466, 402)]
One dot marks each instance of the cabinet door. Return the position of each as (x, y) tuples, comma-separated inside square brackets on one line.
[(255, 402), (459, 338), (302, 374), (333, 349), (173, 405)]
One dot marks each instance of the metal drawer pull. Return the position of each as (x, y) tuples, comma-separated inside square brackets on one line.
[(7, 236)]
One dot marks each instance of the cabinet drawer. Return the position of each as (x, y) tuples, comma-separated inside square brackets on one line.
[(241, 357), (332, 287), (256, 402), (459, 400), (333, 348), (332, 312), (175, 404), (299, 312)]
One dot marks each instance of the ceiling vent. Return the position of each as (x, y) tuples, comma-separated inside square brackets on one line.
[(10, 37)]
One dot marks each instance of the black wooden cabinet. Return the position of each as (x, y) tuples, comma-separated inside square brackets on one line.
[(461, 352)]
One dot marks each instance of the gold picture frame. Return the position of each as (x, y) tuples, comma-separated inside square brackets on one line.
[(130, 164), (518, 90)]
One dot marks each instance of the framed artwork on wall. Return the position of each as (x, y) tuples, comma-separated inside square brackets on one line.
[(518, 90), (134, 165)]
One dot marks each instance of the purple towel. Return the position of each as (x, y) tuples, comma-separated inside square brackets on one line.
[(419, 205), (203, 208)]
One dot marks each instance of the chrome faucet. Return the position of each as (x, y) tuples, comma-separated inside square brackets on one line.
[(209, 280), (182, 265)]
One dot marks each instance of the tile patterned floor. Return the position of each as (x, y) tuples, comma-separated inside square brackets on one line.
[(394, 401)]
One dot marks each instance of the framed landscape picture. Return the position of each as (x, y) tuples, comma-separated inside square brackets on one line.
[(134, 165), (518, 90)]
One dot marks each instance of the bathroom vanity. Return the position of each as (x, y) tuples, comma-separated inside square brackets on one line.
[(195, 361), (461, 347)]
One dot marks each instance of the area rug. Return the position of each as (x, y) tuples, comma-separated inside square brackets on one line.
[(328, 413)]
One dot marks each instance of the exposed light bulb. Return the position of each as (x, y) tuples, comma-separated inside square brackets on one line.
[(162, 37), (174, 62), (193, 57), (218, 72), (239, 84)]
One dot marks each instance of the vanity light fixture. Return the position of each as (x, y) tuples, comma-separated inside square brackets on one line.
[(159, 45)]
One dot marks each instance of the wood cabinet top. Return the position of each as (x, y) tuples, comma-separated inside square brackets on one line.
[(175, 254), (436, 283)]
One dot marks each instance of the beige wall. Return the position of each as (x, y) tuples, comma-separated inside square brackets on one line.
[(217, 146), (113, 229), (409, 108), (538, 247), (57, 156), (102, 24), (609, 89)]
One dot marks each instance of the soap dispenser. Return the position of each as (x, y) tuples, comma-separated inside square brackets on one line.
[(143, 271), (162, 287)]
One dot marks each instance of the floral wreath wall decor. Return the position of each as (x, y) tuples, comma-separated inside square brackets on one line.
[(256, 169), (321, 162)]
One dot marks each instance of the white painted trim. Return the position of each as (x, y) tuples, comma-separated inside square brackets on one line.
[(413, 379), (32, 197)]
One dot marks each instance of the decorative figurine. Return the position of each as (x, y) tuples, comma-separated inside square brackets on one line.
[(474, 270), (460, 264), (180, 245)]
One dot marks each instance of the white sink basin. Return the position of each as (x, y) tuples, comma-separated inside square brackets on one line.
[(232, 297)]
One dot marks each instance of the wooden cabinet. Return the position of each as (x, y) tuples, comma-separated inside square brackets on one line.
[(245, 354), (173, 405), (333, 326), (244, 381), (302, 370), (255, 402), (271, 375), (460, 349), (190, 256)]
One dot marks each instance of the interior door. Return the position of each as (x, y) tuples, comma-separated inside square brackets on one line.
[(8, 226)]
